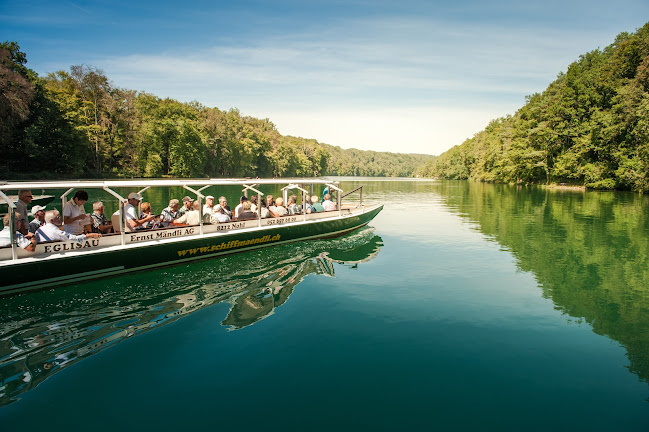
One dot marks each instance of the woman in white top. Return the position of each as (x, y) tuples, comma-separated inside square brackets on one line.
[(74, 215)]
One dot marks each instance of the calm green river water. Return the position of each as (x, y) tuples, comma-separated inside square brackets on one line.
[(463, 306)]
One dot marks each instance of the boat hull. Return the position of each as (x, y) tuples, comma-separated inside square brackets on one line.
[(33, 273)]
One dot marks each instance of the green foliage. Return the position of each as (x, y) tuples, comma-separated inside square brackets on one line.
[(589, 127), (16, 95), (76, 123), (370, 163), (585, 250)]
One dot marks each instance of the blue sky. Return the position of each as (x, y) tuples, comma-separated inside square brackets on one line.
[(404, 76)]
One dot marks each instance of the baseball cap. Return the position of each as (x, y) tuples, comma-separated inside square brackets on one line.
[(37, 208)]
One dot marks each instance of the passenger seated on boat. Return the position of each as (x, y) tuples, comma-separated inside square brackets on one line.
[(191, 217), (253, 203), (145, 211), (265, 213), (327, 204), (187, 205), (132, 221), (208, 208), (269, 201), (27, 242), (237, 209), (245, 213), (39, 218), (278, 209), (51, 231), (218, 215), (100, 224), (170, 214), (24, 199), (74, 215), (224, 205), (293, 207), (315, 205), (114, 219)]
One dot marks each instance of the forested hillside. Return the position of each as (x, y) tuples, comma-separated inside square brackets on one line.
[(76, 123), (589, 127)]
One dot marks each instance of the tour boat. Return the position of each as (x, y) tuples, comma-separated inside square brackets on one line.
[(62, 262)]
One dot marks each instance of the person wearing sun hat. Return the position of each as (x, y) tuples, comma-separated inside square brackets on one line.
[(39, 218)]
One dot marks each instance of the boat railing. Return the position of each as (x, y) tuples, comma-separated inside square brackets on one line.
[(360, 188)]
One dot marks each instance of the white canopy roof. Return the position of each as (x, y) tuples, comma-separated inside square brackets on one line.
[(78, 184)]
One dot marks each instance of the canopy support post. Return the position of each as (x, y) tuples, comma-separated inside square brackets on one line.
[(200, 207), (122, 216), (11, 209)]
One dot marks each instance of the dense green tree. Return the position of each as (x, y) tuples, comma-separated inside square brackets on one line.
[(76, 123), (588, 127), (16, 94)]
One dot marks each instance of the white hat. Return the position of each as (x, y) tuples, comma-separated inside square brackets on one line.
[(36, 209), (209, 196), (217, 207), (135, 195)]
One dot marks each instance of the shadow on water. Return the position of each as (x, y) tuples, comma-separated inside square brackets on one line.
[(589, 252), (43, 332)]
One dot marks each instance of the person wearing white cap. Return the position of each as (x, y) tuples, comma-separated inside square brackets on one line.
[(132, 221), (39, 218), (208, 208)]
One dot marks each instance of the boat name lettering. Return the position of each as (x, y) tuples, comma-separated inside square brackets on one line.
[(230, 226), (135, 237), (229, 245), (174, 233), (71, 246), (280, 221), (161, 234)]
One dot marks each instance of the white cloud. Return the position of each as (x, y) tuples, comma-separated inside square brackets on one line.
[(411, 85)]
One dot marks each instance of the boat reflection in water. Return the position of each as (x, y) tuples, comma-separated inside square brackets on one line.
[(43, 332)]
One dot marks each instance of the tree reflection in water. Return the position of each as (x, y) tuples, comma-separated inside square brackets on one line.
[(587, 250), (43, 332)]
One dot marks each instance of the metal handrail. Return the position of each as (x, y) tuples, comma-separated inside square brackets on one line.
[(351, 192), (360, 203)]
